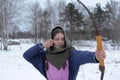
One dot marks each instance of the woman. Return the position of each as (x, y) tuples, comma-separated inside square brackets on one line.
[(56, 59)]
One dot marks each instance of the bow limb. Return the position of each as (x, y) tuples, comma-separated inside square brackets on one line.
[(98, 40)]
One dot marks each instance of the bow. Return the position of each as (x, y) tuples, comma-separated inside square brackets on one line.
[(98, 39)]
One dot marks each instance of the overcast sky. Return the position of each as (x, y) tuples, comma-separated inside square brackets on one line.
[(91, 3)]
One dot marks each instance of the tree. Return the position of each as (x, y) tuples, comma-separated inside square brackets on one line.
[(8, 12), (34, 19), (99, 15), (61, 13), (73, 18), (113, 21), (47, 23)]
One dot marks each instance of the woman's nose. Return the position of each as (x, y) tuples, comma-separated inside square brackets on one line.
[(60, 41)]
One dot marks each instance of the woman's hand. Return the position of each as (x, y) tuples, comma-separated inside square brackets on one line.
[(47, 43), (100, 55)]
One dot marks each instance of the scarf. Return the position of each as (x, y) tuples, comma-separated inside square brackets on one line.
[(58, 56)]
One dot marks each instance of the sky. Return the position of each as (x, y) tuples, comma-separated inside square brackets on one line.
[(91, 3)]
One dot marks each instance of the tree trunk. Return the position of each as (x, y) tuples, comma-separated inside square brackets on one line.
[(4, 39)]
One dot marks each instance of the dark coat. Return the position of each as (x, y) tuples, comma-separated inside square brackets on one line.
[(36, 56)]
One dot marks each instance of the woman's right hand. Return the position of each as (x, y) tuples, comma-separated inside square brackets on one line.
[(47, 43)]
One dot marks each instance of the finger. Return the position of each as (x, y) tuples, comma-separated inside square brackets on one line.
[(100, 52), (47, 44), (51, 42), (104, 55), (101, 56)]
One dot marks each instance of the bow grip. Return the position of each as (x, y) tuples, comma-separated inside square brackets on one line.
[(99, 47)]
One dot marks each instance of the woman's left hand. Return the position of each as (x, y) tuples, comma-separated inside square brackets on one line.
[(100, 55)]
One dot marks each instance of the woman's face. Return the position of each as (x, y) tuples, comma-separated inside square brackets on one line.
[(59, 40)]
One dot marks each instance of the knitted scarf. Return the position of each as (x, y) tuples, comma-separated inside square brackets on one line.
[(58, 56)]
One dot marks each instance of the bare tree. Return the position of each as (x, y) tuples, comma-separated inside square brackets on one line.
[(8, 10), (3, 24), (0, 23), (61, 12), (34, 8), (112, 9)]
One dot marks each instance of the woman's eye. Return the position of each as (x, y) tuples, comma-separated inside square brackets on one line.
[(57, 39)]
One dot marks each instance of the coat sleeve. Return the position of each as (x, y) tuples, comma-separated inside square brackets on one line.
[(36, 56), (83, 57), (32, 53)]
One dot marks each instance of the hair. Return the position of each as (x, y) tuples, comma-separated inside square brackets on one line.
[(56, 30)]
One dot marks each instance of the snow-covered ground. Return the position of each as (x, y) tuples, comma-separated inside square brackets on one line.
[(14, 67)]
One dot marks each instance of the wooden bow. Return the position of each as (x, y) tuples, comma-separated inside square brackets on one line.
[(98, 40)]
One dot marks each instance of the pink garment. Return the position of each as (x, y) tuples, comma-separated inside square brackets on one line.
[(54, 74)]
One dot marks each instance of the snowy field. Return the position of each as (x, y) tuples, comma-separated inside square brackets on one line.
[(14, 67)]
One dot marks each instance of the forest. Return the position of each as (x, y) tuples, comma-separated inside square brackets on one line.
[(22, 19)]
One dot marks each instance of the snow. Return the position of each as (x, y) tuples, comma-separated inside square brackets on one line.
[(14, 67)]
